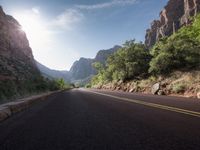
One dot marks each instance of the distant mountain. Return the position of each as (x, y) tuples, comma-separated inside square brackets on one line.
[(102, 55), (175, 14), (82, 70), (16, 58), (49, 73)]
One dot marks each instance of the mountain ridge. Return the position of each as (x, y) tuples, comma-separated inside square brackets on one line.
[(82, 70)]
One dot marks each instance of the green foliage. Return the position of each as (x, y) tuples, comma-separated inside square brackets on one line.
[(178, 88), (98, 66), (128, 62), (181, 50), (11, 89), (88, 85)]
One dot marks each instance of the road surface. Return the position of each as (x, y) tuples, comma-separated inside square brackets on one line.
[(99, 120)]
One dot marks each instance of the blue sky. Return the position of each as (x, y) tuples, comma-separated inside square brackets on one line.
[(62, 31)]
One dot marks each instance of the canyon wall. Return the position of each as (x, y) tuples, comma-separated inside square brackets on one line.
[(175, 14), (16, 58)]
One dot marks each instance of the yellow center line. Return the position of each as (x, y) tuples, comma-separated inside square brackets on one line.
[(164, 107)]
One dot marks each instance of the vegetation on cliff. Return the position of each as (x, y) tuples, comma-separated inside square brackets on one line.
[(180, 51), (129, 62)]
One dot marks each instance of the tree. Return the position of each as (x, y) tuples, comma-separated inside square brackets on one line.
[(129, 62), (181, 50)]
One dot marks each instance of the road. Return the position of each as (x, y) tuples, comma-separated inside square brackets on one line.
[(100, 120)]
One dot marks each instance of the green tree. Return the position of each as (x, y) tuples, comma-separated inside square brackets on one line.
[(129, 62), (181, 50)]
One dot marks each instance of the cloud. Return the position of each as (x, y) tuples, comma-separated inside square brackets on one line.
[(107, 4), (36, 10), (67, 19)]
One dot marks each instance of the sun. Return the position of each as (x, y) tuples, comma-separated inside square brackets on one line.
[(34, 27)]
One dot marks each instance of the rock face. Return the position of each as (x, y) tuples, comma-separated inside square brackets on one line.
[(175, 14), (102, 55), (83, 69), (155, 88), (16, 58)]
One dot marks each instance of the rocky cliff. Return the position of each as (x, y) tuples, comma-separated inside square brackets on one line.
[(83, 69), (175, 14), (16, 58)]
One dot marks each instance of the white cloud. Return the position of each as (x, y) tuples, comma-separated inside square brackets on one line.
[(36, 10), (107, 4), (67, 19)]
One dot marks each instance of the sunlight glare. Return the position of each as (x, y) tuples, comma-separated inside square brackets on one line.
[(34, 28)]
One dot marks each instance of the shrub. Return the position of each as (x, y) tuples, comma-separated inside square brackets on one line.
[(128, 62), (178, 88), (181, 50)]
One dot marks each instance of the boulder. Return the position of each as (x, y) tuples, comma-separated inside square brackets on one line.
[(131, 90), (161, 92), (155, 88), (198, 95)]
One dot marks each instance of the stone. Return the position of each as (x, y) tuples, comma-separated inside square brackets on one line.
[(161, 92), (131, 90), (155, 88), (198, 95)]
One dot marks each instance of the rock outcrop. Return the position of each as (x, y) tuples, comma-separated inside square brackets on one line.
[(175, 14), (16, 58), (83, 70)]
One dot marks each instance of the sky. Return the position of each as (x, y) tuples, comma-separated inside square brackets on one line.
[(62, 31)]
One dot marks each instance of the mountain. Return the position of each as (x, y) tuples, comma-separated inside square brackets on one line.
[(16, 58), (176, 13), (102, 55), (82, 70), (19, 75), (49, 73)]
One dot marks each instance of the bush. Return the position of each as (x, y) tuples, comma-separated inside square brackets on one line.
[(11, 89), (181, 50), (129, 62), (178, 88)]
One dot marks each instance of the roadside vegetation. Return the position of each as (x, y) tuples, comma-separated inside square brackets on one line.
[(12, 89), (134, 64)]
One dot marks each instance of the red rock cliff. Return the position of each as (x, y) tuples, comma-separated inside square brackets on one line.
[(174, 15)]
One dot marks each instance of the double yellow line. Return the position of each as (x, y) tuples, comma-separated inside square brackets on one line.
[(164, 107)]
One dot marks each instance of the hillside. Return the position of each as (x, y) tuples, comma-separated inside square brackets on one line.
[(82, 70), (17, 62), (17, 65), (19, 75), (170, 67)]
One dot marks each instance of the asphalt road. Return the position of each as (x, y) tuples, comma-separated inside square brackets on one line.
[(101, 120)]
